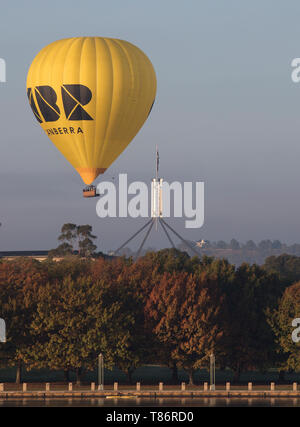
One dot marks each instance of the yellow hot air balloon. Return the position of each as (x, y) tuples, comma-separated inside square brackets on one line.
[(91, 95)]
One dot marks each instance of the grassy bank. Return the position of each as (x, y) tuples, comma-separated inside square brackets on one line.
[(150, 374)]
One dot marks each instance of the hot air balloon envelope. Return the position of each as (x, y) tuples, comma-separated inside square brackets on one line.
[(91, 95)]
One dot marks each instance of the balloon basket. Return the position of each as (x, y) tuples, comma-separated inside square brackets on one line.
[(90, 191)]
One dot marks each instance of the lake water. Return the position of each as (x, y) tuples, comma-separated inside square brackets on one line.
[(144, 402)]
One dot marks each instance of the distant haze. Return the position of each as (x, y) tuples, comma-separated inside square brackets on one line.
[(227, 113)]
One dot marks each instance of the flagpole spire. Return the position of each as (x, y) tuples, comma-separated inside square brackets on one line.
[(157, 161), (156, 215)]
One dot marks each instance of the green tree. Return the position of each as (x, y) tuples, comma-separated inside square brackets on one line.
[(280, 320), (249, 337), (250, 245), (169, 260), (69, 266), (64, 249), (85, 240), (234, 244), (286, 266), (75, 237), (276, 244), (222, 245), (76, 320), (265, 245), (86, 247), (68, 233), (133, 281)]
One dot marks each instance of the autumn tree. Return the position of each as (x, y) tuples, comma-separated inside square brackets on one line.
[(19, 283), (185, 311)]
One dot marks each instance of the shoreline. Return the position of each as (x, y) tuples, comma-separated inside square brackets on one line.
[(151, 394)]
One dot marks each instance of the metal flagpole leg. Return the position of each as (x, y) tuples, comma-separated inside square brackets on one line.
[(132, 237), (181, 238), (100, 372), (167, 234), (145, 238)]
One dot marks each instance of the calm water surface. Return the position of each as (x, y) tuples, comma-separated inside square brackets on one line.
[(171, 402)]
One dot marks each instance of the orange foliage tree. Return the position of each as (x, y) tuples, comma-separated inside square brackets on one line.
[(19, 282), (185, 312)]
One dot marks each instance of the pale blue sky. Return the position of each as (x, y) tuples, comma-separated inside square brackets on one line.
[(226, 113)]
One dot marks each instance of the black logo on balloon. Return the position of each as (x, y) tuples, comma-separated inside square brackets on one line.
[(33, 106), (74, 98), (43, 102), (46, 98)]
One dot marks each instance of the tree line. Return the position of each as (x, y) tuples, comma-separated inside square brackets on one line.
[(166, 307), (251, 252), (234, 251)]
